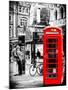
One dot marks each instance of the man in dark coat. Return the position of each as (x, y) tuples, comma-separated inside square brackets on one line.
[(38, 53)]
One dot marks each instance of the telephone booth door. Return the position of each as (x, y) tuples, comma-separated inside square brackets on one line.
[(53, 49)]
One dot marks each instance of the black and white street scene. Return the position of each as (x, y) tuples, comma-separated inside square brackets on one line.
[(26, 23)]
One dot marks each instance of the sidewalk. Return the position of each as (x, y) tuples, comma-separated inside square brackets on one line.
[(26, 81)]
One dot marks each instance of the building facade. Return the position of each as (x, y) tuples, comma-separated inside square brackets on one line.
[(18, 18)]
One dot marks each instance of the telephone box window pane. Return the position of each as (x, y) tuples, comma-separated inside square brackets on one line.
[(51, 65), (51, 55), (52, 75), (50, 70), (51, 50), (52, 40), (51, 45), (52, 60)]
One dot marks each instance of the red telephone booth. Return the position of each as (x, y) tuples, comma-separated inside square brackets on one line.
[(53, 55)]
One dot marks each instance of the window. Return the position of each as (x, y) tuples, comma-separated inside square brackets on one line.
[(51, 50), (56, 14), (23, 9), (10, 31), (52, 55), (52, 60), (64, 11), (26, 10), (10, 27), (19, 9), (9, 17), (21, 22), (44, 16), (61, 12), (50, 70), (51, 65), (52, 40), (51, 45), (52, 75)]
